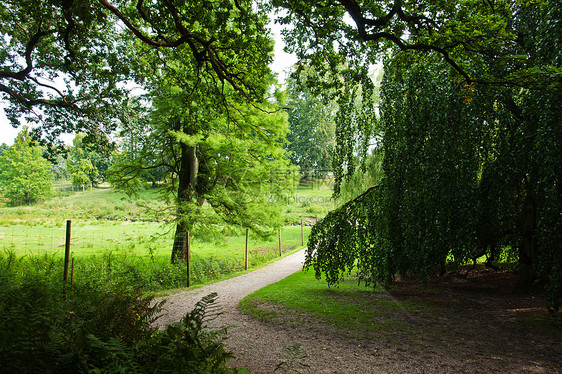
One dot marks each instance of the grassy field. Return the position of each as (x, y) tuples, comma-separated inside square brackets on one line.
[(115, 237)]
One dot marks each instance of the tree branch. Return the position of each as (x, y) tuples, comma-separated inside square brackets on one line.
[(361, 22)]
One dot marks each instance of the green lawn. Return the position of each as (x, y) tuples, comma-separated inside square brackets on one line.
[(90, 238), (348, 305)]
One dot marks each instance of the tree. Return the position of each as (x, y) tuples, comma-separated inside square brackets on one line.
[(85, 165), (58, 169), (481, 128), (224, 46), (311, 139), (25, 175), (3, 148), (67, 66), (219, 154)]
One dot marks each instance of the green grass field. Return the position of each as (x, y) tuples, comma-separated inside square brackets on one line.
[(114, 236)]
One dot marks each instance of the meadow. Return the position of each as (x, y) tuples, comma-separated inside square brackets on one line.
[(116, 238)]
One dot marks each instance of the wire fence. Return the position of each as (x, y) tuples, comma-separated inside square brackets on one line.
[(141, 239)]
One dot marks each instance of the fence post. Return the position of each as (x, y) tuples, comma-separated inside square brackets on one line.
[(188, 259), (246, 253), (66, 251), (280, 243), (302, 233)]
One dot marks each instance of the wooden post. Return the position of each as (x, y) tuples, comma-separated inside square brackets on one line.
[(188, 259), (72, 273), (280, 243), (246, 253), (184, 247), (67, 251), (302, 233)]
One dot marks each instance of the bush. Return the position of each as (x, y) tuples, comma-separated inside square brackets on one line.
[(90, 330)]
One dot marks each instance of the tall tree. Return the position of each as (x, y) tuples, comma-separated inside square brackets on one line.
[(25, 176), (503, 63), (224, 46), (311, 139), (219, 153)]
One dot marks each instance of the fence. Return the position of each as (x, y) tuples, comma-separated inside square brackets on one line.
[(145, 241)]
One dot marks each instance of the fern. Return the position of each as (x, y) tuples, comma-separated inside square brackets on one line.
[(90, 330)]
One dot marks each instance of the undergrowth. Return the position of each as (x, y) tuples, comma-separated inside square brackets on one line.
[(90, 329), (150, 273)]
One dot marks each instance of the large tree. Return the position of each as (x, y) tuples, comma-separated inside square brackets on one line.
[(312, 129), (217, 147), (483, 128), (25, 176), (204, 63)]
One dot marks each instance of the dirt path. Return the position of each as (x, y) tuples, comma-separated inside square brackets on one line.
[(480, 332)]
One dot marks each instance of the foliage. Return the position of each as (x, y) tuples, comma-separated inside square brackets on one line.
[(60, 65), (69, 66), (209, 143), (363, 177), (25, 175), (311, 137), (86, 166), (469, 166), (58, 169), (93, 330)]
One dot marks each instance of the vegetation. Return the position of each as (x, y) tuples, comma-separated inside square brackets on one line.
[(114, 239), (311, 139), (210, 143), (469, 128), (303, 292), (86, 166), (25, 176), (93, 329)]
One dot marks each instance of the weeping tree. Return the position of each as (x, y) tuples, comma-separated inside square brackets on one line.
[(470, 127)]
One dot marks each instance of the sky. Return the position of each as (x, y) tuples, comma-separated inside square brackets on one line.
[(281, 64)]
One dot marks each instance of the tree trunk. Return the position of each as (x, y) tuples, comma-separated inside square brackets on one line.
[(186, 187), (528, 249)]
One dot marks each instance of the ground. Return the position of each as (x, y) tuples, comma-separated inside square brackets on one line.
[(449, 325)]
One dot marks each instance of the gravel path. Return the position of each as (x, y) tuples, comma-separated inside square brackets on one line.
[(457, 346), (231, 291), (260, 346)]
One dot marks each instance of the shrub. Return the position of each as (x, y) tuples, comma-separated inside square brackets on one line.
[(91, 330)]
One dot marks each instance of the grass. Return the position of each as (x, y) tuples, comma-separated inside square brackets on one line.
[(349, 305), (312, 200), (114, 236)]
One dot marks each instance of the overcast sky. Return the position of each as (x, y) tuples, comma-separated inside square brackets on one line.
[(281, 64)]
